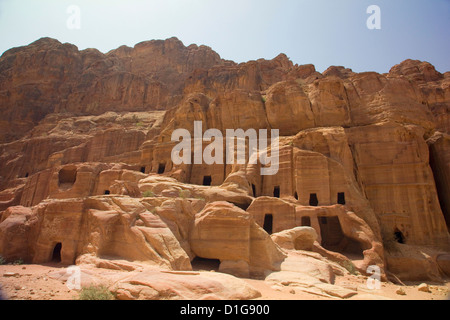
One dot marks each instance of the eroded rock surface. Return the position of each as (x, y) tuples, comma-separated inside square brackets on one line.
[(86, 174)]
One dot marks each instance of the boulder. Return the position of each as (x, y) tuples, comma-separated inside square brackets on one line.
[(156, 285), (16, 225), (423, 287), (299, 238), (310, 273), (225, 232)]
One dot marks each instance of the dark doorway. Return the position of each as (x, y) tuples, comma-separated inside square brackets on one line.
[(268, 223), (398, 236), (199, 264), (296, 195), (331, 233), (313, 201), (56, 255), (333, 238), (143, 169), (306, 221), (67, 176), (276, 192), (254, 190), (26, 175), (207, 180), (107, 192), (161, 168), (341, 198)]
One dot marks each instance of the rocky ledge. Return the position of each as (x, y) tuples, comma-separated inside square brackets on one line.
[(87, 177)]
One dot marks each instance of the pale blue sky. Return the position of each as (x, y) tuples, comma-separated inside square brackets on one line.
[(321, 32)]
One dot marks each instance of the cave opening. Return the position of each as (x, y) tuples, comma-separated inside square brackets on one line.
[(107, 192), (313, 201), (200, 264), (268, 223), (254, 190), (161, 168), (67, 176), (56, 255), (207, 180), (276, 191), (341, 198), (334, 239), (142, 169), (398, 236), (296, 195)]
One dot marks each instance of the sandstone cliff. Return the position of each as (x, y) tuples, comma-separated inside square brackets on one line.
[(86, 170)]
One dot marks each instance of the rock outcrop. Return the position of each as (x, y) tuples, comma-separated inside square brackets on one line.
[(86, 173), (225, 232), (298, 238), (154, 285), (48, 77)]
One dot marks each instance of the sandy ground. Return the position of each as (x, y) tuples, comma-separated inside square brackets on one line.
[(438, 291), (34, 282)]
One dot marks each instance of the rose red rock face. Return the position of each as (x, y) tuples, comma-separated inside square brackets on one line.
[(85, 160), (48, 76)]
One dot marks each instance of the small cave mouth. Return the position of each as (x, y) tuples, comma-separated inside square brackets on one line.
[(67, 176), (107, 192), (398, 236), (56, 255), (161, 168), (313, 201), (254, 190), (276, 192), (334, 239), (207, 180), (341, 198), (268, 223), (142, 170), (199, 263)]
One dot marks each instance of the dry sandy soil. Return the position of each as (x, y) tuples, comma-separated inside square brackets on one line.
[(35, 282)]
